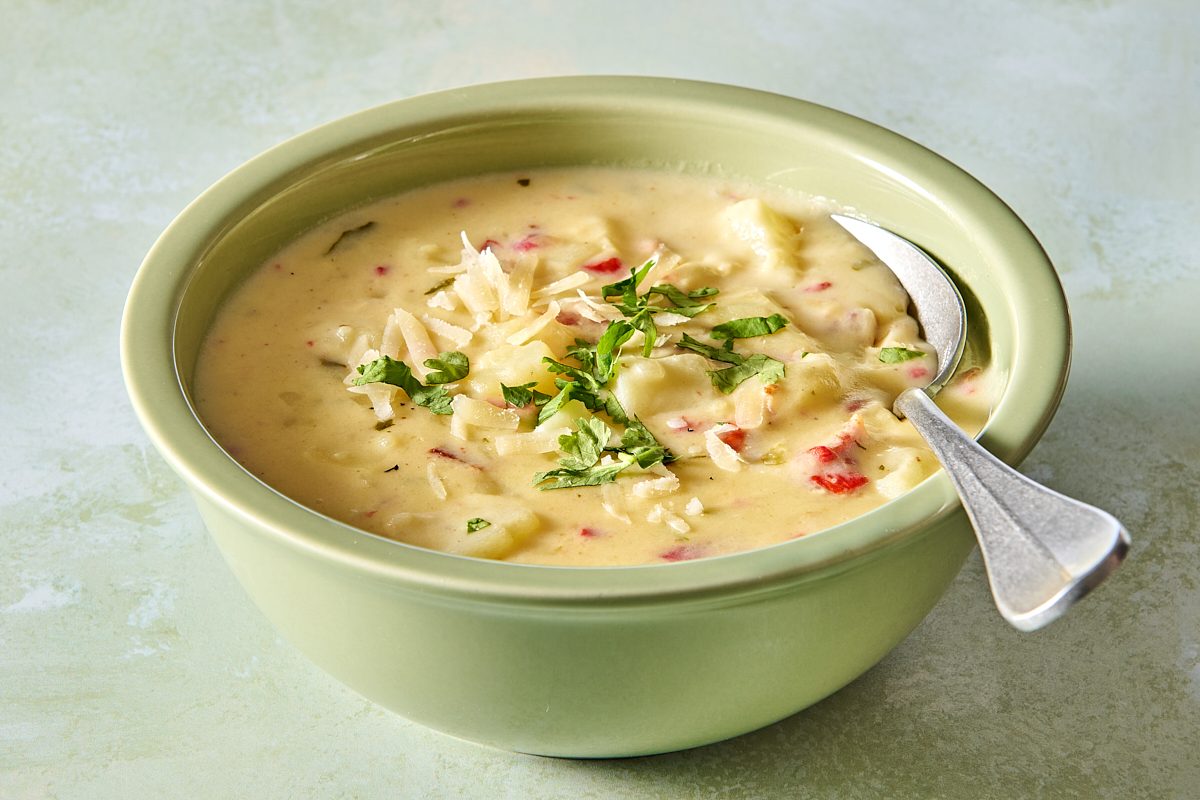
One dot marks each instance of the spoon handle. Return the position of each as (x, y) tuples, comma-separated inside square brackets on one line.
[(1042, 551)]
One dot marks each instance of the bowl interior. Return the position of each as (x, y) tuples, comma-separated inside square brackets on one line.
[(1018, 316)]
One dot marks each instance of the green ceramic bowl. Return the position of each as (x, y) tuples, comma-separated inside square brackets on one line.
[(591, 661)]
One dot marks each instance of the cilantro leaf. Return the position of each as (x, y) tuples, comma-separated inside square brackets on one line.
[(609, 347), (683, 302), (748, 327), (715, 353), (614, 409), (639, 311), (477, 524), (583, 448), (640, 443), (582, 464), (644, 322), (593, 476), (898, 355), (627, 289), (583, 376), (396, 373), (769, 370), (447, 367), (523, 395), (585, 353), (567, 392), (437, 287), (584, 385)]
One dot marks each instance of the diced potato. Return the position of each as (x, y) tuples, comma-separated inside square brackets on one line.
[(512, 522), (649, 386), (772, 237), (882, 425), (482, 414), (567, 416), (813, 380), (543, 439), (784, 344), (512, 366), (904, 468)]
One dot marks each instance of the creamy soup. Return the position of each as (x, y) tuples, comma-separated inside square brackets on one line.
[(577, 367)]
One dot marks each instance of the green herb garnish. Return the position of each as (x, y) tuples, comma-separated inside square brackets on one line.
[(683, 302), (769, 370), (898, 355), (447, 367), (441, 285), (588, 380), (477, 524), (581, 463), (748, 327), (386, 369), (639, 310), (725, 354), (523, 395), (349, 234)]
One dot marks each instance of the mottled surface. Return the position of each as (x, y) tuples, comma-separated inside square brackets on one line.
[(131, 665)]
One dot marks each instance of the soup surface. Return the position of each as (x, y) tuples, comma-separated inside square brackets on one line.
[(577, 367)]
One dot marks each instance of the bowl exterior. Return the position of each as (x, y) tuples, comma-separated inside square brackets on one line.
[(595, 681), (604, 661)]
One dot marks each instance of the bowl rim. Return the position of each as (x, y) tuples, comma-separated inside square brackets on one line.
[(155, 387)]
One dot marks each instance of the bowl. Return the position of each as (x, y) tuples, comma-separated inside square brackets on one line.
[(591, 662)]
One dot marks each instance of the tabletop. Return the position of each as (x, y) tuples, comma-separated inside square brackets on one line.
[(131, 663)]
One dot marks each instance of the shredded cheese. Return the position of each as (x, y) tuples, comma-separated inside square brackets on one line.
[(572, 281), (612, 499), (482, 414), (722, 454), (656, 487), (541, 440), (535, 327), (460, 337), (443, 300), (416, 339), (435, 481)]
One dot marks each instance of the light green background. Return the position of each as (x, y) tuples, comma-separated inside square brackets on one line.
[(131, 664)]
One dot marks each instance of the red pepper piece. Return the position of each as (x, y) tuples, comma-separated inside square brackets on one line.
[(609, 265), (839, 482), (735, 438), (530, 242), (681, 552)]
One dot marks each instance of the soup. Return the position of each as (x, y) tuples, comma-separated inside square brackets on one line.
[(577, 367)]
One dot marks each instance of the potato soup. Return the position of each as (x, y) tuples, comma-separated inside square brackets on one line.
[(577, 367)]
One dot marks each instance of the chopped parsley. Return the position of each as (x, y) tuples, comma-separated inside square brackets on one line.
[(447, 367), (441, 285), (748, 327), (640, 311), (587, 381), (898, 355), (583, 462), (523, 395), (477, 524), (347, 235), (386, 369), (768, 370)]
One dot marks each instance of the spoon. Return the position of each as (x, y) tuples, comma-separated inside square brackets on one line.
[(1042, 551)]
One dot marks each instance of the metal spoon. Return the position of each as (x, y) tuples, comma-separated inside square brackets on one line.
[(1042, 551)]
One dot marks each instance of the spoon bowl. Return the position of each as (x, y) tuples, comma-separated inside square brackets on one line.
[(1042, 551)]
